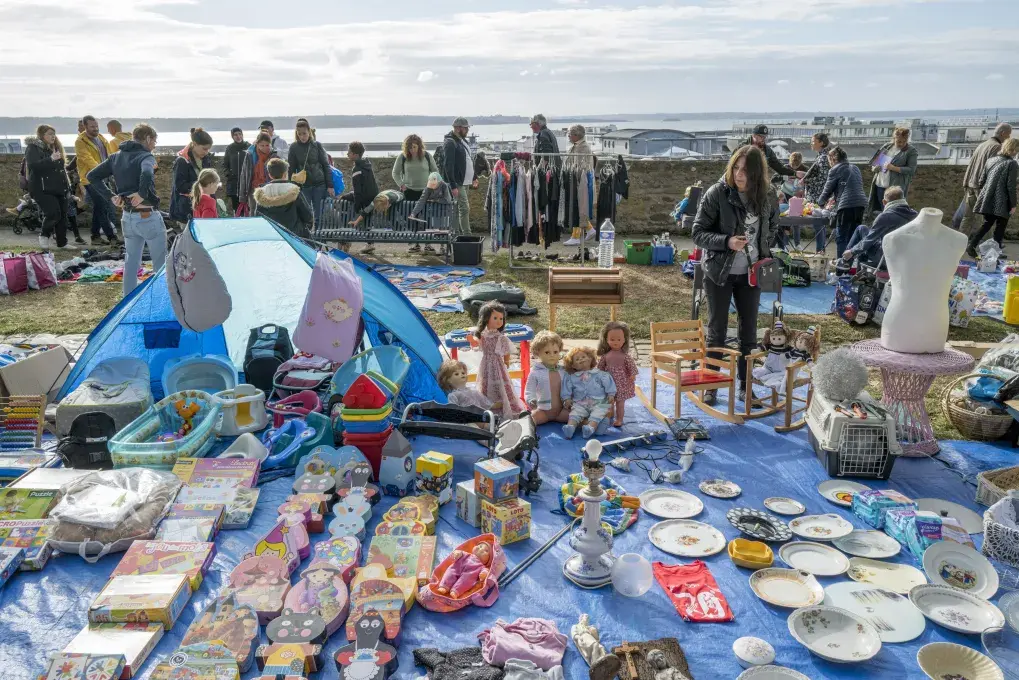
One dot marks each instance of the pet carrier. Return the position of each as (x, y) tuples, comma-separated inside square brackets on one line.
[(856, 439)]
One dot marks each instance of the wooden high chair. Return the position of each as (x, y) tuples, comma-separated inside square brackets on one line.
[(679, 342), (786, 401)]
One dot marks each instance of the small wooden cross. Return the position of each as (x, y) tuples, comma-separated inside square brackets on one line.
[(628, 651)]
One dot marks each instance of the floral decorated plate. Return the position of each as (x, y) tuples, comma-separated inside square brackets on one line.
[(892, 615), (687, 538), (834, 634), (758, 524), (753, 651), (952, 564), (670, 503), (771, 673), (956, 609), (876, 545), (781, 505), (790, 588), (816, 558), (720, 488), (840, 491), (898, 578), (940, 660), (821, 527)]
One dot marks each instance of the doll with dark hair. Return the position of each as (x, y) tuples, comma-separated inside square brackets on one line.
[(614, 357), (496, 350)]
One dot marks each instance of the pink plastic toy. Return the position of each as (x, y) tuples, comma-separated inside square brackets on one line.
[(295, 406), (483, 593)]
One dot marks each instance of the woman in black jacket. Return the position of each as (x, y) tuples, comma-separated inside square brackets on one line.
[(309, 167), (997, 199), (190, 162), (736, 224), (48, 185)]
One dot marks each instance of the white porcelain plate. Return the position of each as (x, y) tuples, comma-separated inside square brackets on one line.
[(892, 615), (752, 651), (771, 673), (821, 527), (670, 503), (784, 506), (687, 538), (876, 545), (951, 564), (834, 634), (720, 488), (815, 558), (940, 660), (899, 578), (840, 491), (786, 587), (956, 610), (970, 521)]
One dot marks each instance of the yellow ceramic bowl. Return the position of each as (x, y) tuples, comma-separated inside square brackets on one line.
[(750, 554)]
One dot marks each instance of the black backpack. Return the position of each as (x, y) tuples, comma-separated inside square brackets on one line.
[(84, 447), (268, 347)]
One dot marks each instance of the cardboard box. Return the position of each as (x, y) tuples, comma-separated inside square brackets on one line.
[(41, 373), (510, 520), (404, 556), (468, 507), (435, 475), (71, 666), (974, 349), (218, 472), (496, 479), (156, 557), (26, 503), (10, 560), (32, 535), (134, 640), (158, 598)]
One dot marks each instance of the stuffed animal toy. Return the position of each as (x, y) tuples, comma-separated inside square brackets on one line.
[(776, 343)]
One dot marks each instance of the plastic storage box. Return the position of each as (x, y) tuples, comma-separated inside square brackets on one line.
[(467, 250), (663, 255), (638, 252)]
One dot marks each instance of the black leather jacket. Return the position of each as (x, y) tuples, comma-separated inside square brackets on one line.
[(720, 215)]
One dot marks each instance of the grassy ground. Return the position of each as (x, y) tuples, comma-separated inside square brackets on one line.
[(652, 294)]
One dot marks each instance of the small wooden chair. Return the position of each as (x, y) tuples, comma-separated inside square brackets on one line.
[(677, 342), (787, 401)]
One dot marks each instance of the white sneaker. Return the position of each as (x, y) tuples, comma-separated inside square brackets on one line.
[(571, 242), (44, 242), (69, 246), (591, 233)]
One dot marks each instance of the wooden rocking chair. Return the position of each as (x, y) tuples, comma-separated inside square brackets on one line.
[(793, 406), (676, 343)]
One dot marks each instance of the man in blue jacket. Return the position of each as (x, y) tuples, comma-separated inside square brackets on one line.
[(866, 241), (133, 169)]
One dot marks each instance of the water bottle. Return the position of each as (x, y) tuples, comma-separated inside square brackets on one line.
[(607, 243)]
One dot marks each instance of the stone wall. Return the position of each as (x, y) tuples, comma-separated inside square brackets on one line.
[(655, 186)]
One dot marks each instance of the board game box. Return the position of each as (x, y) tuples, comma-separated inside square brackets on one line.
[(240, 502), (134, 640), (191, 522), (214, 472), (30, 534), (154, 598), (26, 503), (10, 560), (404, 556), (74, 666), (164, 557), (48, 478)]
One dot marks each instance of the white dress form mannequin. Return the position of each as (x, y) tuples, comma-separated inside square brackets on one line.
[(922, 258)]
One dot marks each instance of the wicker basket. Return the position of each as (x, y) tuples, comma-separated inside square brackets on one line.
[(1001, 533), (993, 485), (985, 427)]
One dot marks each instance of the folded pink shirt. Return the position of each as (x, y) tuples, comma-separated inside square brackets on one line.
[(536, 640)]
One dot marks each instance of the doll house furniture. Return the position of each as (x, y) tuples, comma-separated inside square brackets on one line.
[(456, 340), (243, 410), (583, 287), (793, 407), (682, 342)]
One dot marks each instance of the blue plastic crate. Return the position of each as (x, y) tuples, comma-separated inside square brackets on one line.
[(662, 255)]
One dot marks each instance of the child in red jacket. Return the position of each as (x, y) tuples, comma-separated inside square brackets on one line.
[(203, 194)]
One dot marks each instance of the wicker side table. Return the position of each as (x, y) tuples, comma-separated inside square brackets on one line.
[(907, 378)]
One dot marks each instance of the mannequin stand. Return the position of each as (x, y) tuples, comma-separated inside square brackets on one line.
[(907, 378)]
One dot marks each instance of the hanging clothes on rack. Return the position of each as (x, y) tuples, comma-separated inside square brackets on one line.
[(606, 209)]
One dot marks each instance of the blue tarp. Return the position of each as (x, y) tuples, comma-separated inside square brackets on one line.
[(40, 612)]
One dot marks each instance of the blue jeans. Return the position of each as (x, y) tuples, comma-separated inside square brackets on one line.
[(138, 233), (315, 196), (858, 235), (102, 213)]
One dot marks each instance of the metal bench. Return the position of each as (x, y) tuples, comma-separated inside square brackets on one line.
[(395, 226)]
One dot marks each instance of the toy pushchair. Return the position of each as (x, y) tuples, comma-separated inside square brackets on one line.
[(29, 217)]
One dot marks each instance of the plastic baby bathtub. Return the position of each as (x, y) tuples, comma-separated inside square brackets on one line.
[(139, 444), (213, 373)]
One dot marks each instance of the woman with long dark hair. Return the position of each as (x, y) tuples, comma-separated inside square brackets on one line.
[(188, 164), (309, 167), (48, 185), (736, 224)]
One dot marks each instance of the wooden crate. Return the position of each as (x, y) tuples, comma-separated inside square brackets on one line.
[(584, 287)]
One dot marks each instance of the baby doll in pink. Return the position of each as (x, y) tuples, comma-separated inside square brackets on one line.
[(614, 357), (496, 349), (466, 571)]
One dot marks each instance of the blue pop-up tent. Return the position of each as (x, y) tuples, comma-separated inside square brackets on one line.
[(267, 271)]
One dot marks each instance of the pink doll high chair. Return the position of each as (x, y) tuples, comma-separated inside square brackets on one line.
[(482, 594), (295, 406)]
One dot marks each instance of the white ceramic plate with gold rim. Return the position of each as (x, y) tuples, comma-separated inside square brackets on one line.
[(834, 634), (840, 491), (816, 558), (670, 503), (877, 545), (780, 505), (687, 538), (898, 578), (790, 588), (892, 615), (940, 660), (821, 527), (952, 564), (720, 488), (956, 610)]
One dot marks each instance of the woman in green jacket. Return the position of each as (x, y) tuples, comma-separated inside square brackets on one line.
[(411, 171)]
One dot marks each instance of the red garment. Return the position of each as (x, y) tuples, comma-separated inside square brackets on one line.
[(206, 207), (693, 591), (260, 176)]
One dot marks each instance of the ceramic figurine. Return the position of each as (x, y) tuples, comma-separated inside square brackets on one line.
[(544, 387), (367, 658), (604, 666), (467, 570), (776, 343), (453, 381), (496, 349), (323, 591), (588, 392), (614, 353), (660, 665)]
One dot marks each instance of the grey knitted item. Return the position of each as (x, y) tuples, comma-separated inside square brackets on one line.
[(839, 375), (459, 664)]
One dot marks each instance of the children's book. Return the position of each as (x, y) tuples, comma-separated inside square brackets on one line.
[(162, 557)]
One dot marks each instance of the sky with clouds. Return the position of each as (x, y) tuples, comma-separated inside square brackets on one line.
[(568, 57)]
